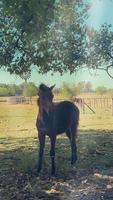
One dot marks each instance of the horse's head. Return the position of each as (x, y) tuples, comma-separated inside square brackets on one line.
[(45, 97)]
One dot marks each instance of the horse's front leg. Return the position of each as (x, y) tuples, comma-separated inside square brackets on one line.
[(52, 155), (41, 137)]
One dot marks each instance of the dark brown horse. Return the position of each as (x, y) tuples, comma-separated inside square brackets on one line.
[(53, 119)]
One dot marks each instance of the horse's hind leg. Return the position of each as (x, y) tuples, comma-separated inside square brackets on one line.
[(72, 137)]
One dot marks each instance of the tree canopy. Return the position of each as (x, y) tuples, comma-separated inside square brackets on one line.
[(48, 35), (22, 23), (100, 49), (52, 35)]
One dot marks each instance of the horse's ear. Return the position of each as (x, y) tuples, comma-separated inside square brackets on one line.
[(52, 86)]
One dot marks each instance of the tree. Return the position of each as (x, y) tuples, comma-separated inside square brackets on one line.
[(48, 35), (110, 92), (15, 89), (83, 87), (6, 90), (52, 36), (3, 92), (11, 89), (66, 38), (69, 91), (22, 23), (101, 90), (100, 49), (88, 87), (31, 90), (80, 86)]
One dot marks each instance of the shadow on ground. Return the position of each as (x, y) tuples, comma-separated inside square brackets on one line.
[(90, 179)]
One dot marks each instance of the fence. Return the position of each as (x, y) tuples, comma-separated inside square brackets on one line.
[(98, 102), (20, 100), (90, 103), (94, 103)]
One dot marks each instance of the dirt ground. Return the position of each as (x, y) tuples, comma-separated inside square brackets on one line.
[(90, 179)]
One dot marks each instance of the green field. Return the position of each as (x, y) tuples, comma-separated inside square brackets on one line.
[(90, 179)]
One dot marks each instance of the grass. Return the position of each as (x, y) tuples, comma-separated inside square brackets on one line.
[(19, 153)]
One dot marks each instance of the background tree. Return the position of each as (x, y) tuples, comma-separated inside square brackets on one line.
[(80, 86), (3, 92), (88, 87), (6, 90), (68, 90), (110, 92), (31, 90), (16, 89), (101, 90)]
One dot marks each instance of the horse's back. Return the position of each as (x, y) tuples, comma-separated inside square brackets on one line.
[(65, 108), (65, 114)]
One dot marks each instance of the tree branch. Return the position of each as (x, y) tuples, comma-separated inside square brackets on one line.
[(107, 70), (109, 54), (22, 31)]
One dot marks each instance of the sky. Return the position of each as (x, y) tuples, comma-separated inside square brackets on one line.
[(101, 11)]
